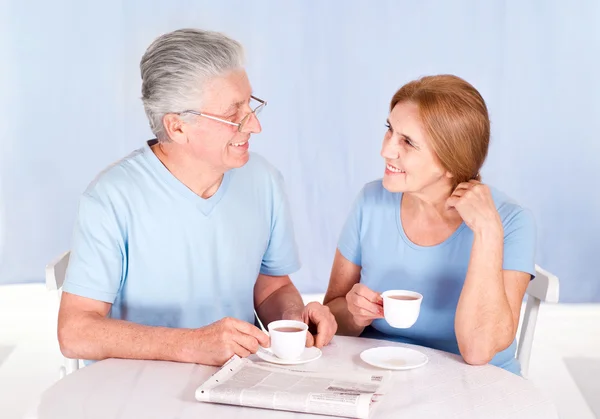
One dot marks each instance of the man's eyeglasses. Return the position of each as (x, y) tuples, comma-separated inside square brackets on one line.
[(240, 125)]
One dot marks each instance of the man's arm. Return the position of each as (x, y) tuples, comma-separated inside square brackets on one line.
[(84, 332), (276, 298)]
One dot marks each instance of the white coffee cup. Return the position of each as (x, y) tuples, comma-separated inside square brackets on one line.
[(401, 308), (287, 343)]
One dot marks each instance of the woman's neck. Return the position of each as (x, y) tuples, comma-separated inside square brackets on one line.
[(431, 204)]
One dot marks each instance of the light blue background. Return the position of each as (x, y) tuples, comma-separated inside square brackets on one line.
[(70, 88)]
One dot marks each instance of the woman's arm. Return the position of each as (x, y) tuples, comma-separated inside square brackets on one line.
[(354, 305), (487, 316)]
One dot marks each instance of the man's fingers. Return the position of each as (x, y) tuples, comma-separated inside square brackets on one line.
[(323, 338), (251, 330), (310, 340), (241, 351), (326, 328), (321, 317), (247, 342)]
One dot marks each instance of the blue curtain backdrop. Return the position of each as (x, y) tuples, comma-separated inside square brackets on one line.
[(70, 89)]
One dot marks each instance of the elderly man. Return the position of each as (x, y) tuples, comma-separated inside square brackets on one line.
[(179, 242)]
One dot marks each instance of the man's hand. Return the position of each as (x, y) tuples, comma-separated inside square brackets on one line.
[(320, 316), (216, 343)]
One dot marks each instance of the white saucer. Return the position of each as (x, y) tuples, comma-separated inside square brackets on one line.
[(309, 354), (394, 358)]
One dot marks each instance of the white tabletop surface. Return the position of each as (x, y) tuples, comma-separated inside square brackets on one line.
[(444, 388)]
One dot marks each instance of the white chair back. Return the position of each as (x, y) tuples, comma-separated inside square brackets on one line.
[(55, 277), (544, 287)]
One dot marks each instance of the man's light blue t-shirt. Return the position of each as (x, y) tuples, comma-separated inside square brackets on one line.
[(164, 256), (374, 239)]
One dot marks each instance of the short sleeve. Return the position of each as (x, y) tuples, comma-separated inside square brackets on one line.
[(520, 243), (96, 262), (281, 257), (349, 241)]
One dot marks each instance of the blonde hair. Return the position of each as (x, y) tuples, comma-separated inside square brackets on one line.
[(455, 119)]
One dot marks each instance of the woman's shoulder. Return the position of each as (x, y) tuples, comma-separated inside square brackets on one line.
[(509, 209), (374, 192)]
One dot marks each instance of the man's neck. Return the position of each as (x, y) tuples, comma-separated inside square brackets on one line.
[(199, 178)]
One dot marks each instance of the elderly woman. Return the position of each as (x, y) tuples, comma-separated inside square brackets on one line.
[(431, 226)]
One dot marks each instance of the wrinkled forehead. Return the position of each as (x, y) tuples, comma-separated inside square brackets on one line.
[(227, 93), (405, 120)]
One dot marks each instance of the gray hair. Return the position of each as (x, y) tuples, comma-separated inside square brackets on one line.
[(175, 68)]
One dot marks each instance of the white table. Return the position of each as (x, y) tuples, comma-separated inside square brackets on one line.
[(444, 388)]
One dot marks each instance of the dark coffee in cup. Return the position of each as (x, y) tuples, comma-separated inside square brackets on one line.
[(403, 297), (287, 329)]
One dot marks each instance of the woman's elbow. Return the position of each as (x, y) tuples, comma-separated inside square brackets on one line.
[(482, 353), (482, 348), (478, 352), (477, 356)]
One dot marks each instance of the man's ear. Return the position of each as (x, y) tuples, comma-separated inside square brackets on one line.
[(175, 128)]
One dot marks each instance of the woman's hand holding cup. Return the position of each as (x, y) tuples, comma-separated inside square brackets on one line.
[(364, 304)]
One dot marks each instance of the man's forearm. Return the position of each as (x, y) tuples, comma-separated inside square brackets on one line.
[(93, 337), (284, 303)]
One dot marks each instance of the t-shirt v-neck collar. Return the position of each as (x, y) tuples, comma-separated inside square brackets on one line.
[(204, 205)]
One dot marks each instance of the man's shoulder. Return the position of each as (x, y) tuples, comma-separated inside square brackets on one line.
[(120, 176), (260, 165), (259, 169)]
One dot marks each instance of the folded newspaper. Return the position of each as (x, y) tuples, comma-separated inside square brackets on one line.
[(245, 383)]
